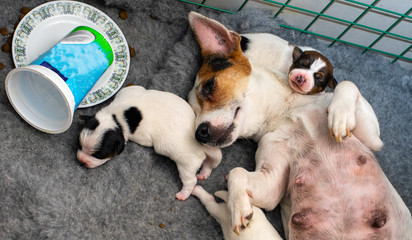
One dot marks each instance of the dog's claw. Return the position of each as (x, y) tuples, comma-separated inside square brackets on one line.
[(339, 138), (348, 133), (249, 193), (242, 221), (236, 230)]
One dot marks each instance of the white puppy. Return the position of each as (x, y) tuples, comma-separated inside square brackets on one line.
[(260, 229), (153, 119)]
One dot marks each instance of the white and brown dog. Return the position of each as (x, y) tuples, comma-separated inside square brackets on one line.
[(260, 229), (153, 119), (327, 189)]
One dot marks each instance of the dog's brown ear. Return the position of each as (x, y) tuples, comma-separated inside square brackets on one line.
[(332, 82), (297, 52), (212, 36)]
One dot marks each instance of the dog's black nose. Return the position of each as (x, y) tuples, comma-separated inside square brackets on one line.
[(202, 134)]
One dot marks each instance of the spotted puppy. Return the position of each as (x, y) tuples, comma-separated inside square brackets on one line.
[(153, 119), (307, 70), (260, 229)]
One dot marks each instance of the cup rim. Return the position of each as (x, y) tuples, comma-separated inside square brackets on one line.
[(57, 82)]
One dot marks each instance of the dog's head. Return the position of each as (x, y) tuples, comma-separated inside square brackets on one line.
[(221, 83), (310, 72), (100, 139)]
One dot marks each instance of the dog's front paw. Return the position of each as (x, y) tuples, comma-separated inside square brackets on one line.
[(341, 117), (239, 201), (241, 211)]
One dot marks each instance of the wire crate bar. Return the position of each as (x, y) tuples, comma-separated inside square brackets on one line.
[(366, 8)]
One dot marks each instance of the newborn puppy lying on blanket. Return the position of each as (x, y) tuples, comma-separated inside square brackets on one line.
[(260, 229), (327, 188), (153, 119)]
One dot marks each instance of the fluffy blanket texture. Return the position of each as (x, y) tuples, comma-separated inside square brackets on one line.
[(46, 194)]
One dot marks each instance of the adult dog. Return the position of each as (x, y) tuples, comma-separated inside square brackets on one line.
[(327, 189)]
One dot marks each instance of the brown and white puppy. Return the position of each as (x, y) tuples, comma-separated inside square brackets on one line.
[(327, 189), (153, 119), (307, 70)]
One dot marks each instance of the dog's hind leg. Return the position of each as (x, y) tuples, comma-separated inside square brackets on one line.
[(187, 173), (263, 188)]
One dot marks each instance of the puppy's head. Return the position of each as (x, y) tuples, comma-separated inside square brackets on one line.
[(221, 83), (100, 139), (310, 72)]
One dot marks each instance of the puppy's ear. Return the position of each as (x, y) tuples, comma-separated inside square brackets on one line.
[(297, 52), (119, 146), (85, 117), (332, 82), (212, 36)]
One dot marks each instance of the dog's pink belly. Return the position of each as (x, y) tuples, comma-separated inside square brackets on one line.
[(339, 194)]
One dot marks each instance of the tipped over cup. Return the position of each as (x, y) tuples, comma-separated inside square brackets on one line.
[(48, 91)]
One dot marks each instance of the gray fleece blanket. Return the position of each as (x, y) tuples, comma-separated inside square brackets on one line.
[(46, 194)]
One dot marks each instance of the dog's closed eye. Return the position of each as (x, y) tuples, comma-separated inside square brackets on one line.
[(208, 88)]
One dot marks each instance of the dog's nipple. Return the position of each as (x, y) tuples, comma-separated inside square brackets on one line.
[(361, 160), (378, 219), (300, 219)]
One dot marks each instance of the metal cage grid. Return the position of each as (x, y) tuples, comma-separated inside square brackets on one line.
[(349, 24)]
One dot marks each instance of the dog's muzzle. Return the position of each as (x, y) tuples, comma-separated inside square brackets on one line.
[(202, 133), (214, 136)]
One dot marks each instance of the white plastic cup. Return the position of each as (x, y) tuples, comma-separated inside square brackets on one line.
[(47, 91)]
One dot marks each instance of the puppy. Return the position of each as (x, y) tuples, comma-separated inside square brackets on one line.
[(153, 119), (260, 229), (307, 70), (328, 188)]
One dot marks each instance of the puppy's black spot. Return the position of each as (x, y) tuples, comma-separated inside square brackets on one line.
[(244, 43), (133, 118), (112, 142), (91, 123), (218, 63)]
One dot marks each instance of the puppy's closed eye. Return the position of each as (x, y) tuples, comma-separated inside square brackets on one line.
[(319, 76), (112, 144)]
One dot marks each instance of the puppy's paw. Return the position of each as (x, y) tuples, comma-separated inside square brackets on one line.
[(203, 175), (183, 195), (341, 118)]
